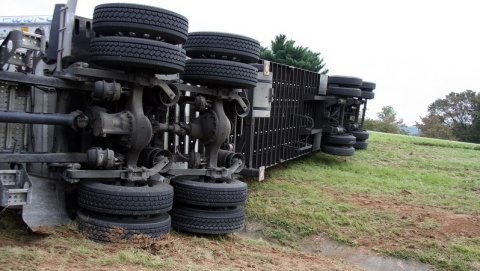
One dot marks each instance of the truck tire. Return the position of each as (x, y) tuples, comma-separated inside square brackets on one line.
[(344, 91), (346, 139), (368, 86), (361, 135), (367, 95), (125, 200), (112, 229), (222, 46), (219, 73), (225, 194), (344, 81), (338, 150), (140, 21), (203, 221), (139, 55), (360, 145)]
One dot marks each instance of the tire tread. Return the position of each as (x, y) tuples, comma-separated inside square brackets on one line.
[(222, 45), (110, 199), (127, 53), (109, 19), (104, 229)]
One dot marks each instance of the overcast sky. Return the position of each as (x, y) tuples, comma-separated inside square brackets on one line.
[(415, 51)]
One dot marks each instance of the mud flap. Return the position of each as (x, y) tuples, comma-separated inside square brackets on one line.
[(46, 205)]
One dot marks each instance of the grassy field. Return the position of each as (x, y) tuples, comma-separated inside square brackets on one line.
[(410, 197), (66, 249)]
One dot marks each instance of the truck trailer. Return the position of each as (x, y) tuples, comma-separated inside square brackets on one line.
[(130, 125)]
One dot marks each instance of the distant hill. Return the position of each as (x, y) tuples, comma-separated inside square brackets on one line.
[(411, 130)]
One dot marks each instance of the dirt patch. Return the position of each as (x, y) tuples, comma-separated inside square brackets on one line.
[(239, 252), (6, 241), (320, 244), (19, 234), (358, 256), (423, 222)]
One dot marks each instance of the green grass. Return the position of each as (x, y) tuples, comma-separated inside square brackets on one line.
[(301, 198), (304, 197)]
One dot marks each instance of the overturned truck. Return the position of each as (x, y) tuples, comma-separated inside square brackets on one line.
[(130, 125)]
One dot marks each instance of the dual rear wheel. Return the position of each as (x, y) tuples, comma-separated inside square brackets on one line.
[(209, 207), (111, 212), (138, 38)]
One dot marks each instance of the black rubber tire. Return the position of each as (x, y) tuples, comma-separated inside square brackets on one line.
[(338, 150), (367, 95), (360, 145), (140, 21), (346, 139), (112, 229), (368, 86), (222, 46), (344, 92), (360, 135), (203, 221), (139, 55), (219, 73), (344, 81), (196, 193), (125, 200)]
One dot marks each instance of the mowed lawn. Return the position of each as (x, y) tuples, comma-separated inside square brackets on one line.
[(410, 197)]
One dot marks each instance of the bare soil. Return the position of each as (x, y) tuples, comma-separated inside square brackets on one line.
[(426, 222)]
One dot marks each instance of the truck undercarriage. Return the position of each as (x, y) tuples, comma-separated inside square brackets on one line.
[(133, 126)]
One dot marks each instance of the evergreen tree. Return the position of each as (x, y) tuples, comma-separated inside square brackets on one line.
[(286, 52)]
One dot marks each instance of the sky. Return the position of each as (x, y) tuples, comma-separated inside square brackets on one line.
[(415, 51)]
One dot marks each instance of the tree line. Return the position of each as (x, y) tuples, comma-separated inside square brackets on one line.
[(455, 117), (386, 122)]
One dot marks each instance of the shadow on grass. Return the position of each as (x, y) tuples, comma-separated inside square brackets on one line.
[(12, 226)]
